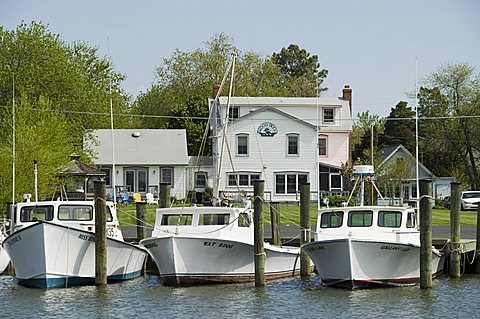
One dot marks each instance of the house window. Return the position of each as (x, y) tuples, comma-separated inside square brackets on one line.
[(289, 183), (414, 191), (328, 115), (166, 175), (108, 174), (136, 179), (292, 144), (335, 181), (330, 179), (322, 146), (233, 112), (406, 191), (243, 179), (242, 145), (201, 179)]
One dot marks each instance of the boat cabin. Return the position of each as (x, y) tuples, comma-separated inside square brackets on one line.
[(77, 214), (199, 220), (367, 222)]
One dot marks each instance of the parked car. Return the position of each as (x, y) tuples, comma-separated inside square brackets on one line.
[(446, 202), (470, 199)]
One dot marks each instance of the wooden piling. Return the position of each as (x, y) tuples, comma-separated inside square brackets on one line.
[(258, 190), (141, 212), (305, 231), (454, 270), (425, 212), (164, 197), (275, 223), (100, 233), (477, 247)]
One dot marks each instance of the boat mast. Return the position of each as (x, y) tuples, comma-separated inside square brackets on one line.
[(111, 132), (13, 156), (416, 136)]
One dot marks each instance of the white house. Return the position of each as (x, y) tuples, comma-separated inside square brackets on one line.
[(143, 159), (284, 141)]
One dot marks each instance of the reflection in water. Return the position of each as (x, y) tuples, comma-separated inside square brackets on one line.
[(291, 298)]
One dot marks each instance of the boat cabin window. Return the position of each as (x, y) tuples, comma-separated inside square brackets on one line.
[(331, 220), (411, 220), (75, 212), (360, 218), (244, 220), (389, 219), (177, 219), (35, 213), (214, 219)]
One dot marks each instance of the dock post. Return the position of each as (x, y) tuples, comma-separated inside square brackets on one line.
[(477, 246), (305, 231), (454, 270), (258, 190), (164, 197), (141, 211), (275, 223), (100, 233), (425, 234)]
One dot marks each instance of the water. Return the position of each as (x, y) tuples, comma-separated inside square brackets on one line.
[(292, 298)]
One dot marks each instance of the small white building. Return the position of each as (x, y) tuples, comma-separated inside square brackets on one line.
[(284, 141), (144, 158)]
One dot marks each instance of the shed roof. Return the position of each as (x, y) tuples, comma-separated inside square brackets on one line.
[(140, 146)]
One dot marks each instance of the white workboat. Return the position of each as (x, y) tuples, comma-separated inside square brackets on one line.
[(204, 245), (4, 259), (363, 246), (53, 245)]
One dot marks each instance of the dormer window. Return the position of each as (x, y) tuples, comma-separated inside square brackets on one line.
[(328, 115)]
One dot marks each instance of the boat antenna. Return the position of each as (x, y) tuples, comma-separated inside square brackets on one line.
[(416, 136), (111, 128), (35, 178), (13, 154)]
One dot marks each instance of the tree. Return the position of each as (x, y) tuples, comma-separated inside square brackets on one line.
[(362, 136), (185, 77), (301, 70), (61, 91), (400, 127), (450, 111)]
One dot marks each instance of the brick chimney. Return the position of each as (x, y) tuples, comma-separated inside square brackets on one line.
[(347, 95), (216, 87)]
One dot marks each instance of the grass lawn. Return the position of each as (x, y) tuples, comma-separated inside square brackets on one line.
[(290, 215)]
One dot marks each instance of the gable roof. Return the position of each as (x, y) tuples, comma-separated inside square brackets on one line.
[(388, 152), (140, 146), (269, 108)]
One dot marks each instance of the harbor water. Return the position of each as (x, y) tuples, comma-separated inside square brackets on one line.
[(293, 298)]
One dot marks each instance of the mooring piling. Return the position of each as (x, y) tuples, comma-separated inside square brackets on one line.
[(275, 223), (454, 271), (141, 212), (305, 230), (425, 212), (258, 190), (477, 246), (100, 233), (164, 197)]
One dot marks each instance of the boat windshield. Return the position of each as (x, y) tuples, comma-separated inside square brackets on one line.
[(214, 219), (331, 220), (177, 219), (36, 213), (389, 219), (360, 218), (75, 212)]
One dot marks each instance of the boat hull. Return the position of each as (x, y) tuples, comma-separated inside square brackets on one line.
[(192, 261), (352, 263), (47, 255), (4, 259)]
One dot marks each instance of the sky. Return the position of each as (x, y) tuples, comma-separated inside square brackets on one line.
[(380, 48)]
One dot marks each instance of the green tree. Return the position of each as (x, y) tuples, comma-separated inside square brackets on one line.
[(450, 121), (301, 70), (61, 92), (400, 127), (362, 136)]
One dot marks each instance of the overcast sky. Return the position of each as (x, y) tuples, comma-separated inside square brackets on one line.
[(376, 46)]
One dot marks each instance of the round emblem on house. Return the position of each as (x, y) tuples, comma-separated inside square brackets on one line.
[(267, 129)]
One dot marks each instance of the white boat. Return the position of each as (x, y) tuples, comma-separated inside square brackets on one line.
[(204, 245), (4, 259), (363, 246), (53, 245)]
